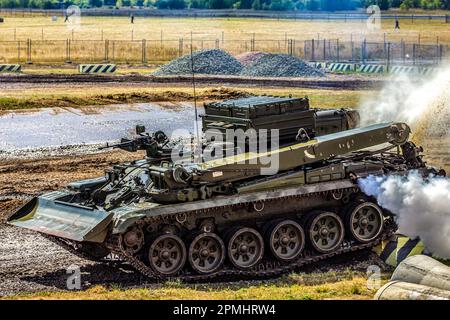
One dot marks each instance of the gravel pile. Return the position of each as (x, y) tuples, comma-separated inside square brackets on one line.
[(205, 62), (280, 65), (247, 58)]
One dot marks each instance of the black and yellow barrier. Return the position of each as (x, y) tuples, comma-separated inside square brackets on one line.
[(10, 68), (97, 68), (398, 248)]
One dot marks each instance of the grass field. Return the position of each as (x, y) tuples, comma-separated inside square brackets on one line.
[(346, 284), (119, 28), (81, 96)]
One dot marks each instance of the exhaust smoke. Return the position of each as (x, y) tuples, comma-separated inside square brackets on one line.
[(421, 206), (421, 103)]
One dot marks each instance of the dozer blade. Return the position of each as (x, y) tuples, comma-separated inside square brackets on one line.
[(62, 220)]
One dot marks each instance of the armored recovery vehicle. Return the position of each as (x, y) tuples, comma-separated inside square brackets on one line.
[(198, 219)]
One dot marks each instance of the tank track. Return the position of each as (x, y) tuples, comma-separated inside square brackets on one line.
[(265, 269), (75, 249)]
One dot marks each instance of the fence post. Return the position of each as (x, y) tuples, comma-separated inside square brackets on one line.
[(18, 52), (144, 49), (180, 47), (438, 48), (363, 51), (388, 60), (217, 44), (68, 51), (252, 43), (304, 49), (324, 50), (29, 51), (313, 58), (106, 51), (113, 51), (414, 53), (353, 50), (403, 51), (447, 18), (337, 51)]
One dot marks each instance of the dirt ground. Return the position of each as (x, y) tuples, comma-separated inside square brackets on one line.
[(29, 262)]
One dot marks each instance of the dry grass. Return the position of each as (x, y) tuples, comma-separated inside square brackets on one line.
[(232, 34), (331, 285), (210, 29), (77, 96)]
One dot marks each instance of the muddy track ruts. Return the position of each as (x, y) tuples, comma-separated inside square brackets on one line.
[(336, 82)]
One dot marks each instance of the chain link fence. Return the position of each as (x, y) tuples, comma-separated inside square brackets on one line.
[(157, 52)]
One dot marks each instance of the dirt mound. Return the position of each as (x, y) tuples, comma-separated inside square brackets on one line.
[(205, 62), (247, 58), (280, 65)]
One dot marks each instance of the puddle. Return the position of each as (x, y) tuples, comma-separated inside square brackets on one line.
[(57, 127)]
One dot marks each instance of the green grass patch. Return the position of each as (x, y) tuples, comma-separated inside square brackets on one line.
[(297, 286)]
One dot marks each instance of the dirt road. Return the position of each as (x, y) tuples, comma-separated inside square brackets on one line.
[(331, 81)]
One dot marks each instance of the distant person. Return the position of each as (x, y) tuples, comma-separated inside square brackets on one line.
[(132, 18), (397, 23), (66, 17)]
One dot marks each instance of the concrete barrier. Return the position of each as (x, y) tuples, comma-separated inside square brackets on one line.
[(341, 67), (397, 290), (97, 68), (10, 68), (413, 70), (397, 248), (423, 270), (371, 68)]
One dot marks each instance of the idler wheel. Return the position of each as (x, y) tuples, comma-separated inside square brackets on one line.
[(286, 239), (325, 231), (167, 254), (133, 240), (364, 221), (206, 253), (245, 248)]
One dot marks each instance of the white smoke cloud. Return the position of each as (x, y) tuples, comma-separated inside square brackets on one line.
[(421, 206), (408, 99)]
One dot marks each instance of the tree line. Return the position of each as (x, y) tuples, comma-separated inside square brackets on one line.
[(280, 5)]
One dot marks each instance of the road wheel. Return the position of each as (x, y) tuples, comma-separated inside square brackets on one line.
[(325, 231), (245, 248), (167, 254), (364, 221), (286, 239), (206, 253)]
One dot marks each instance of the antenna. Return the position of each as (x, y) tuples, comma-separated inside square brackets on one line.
[(195, 98)]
